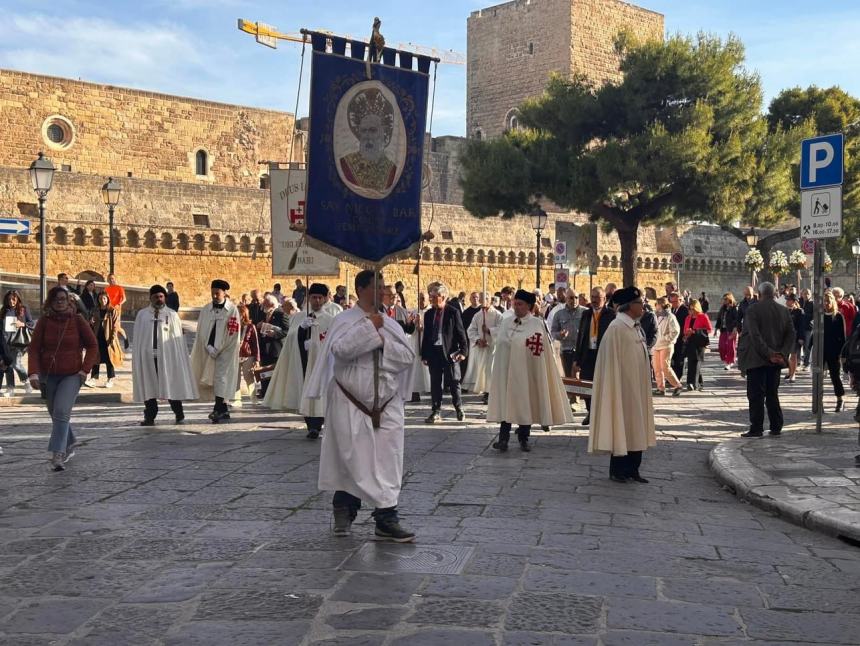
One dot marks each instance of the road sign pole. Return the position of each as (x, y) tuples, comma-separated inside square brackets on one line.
[(43, 253), (818, 336)]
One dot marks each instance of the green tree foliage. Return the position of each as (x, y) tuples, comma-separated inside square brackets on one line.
[(681, 137), (824, 111)]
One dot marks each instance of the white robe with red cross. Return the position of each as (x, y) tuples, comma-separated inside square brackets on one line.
[(526, 387)]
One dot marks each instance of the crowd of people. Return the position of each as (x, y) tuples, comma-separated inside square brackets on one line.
[(345, 362)]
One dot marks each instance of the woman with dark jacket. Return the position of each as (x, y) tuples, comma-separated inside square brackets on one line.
[(697, 331), (272, 330), (89, 298), (728, 323), (14, 316), (833, 331), (105, 324), (798, 321), (56, 363)]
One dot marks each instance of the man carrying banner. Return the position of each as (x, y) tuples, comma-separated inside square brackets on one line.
[(364, 375), (526, 387), (215, 355), (482, 331), (160, 366), (301, 351)]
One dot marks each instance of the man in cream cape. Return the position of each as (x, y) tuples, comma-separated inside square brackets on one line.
[(358, 461), (160, 368), (297, 360), (215, 355), (482, 331), (420, 372), (622, 413), (525, 388)]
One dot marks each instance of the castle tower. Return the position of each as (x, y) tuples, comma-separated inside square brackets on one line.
[(514, 47)]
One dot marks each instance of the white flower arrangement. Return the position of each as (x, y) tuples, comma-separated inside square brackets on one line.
[(778, 262), (827, 265), (797, 260), (754, 260)]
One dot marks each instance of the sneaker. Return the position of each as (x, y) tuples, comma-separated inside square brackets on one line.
[(9, 392), (460, 415), (392, 531), (70, 453), (342, 521), (28, 389), (677, 392), (109, 383), (751, 434), (90, 383), (433, 417), (56, 461), (727, 367)]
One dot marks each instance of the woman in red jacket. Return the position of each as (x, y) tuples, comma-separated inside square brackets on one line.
[(697, 332), (55, 363)]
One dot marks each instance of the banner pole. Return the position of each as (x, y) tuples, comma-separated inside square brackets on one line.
[(818, 336), (375, 418)]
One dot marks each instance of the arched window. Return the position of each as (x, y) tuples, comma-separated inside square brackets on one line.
[(149, 240), (260, 245), (80, 237), (470, 256), (437, 254), (183, 241), (166, 240), (60, 235), (425, 253), (482, 257), (245, 244), (133, 238), (98, 237), (215, 242), (201, 163), (199, 242), (230, 243)]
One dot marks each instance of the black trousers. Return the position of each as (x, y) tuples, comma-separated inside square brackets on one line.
[(314, 423), (625, 466), (832, 364), (695, 357), (763, 391), (523, 432), (586, 371), (150, 408), (568, 358), (443, 374), (353, 503), (111, 373), (678, 361)]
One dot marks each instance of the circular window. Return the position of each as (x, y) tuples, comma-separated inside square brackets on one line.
[(58, 132)]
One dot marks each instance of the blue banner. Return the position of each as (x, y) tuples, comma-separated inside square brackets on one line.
[(365, 156)]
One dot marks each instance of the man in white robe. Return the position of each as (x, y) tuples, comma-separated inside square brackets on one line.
[(215, 355), (622, 412), (302, 348), (362, 450), (160, 367), (420, 372), (526, 387), (482, 331)]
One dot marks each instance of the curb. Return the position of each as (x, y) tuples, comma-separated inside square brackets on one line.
[(752, 485), (83, 399)]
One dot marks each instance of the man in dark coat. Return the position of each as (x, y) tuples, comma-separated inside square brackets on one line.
[(681, 313), (392, 308), (591, 331), (443, 346)]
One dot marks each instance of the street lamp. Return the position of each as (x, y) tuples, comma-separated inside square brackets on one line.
[(110, 195), (752, 241), (538, 218), (855, 249), (42, 176)]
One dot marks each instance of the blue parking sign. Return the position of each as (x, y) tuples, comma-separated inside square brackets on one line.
[(821, 161)]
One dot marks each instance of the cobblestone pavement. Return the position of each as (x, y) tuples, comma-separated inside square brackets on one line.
[(216, 535)]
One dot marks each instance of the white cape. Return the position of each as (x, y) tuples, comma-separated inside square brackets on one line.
[(355, 457), (480, 370), (221, 374), (420, 372), (174, 379)]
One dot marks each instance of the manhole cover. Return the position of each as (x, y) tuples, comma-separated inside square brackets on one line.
[(422, 559)]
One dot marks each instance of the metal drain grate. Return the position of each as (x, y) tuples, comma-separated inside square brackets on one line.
[(421, 559)]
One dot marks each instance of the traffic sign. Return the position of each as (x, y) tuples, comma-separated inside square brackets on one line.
[(562, 278), (15, 227), (808, 246), (560, 252), (677, 258), (821, 161), (821, 213)]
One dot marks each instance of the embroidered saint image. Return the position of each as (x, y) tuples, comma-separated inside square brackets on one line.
[(369, 140)]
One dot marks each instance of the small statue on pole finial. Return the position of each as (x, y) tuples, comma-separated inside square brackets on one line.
[(377, 42)]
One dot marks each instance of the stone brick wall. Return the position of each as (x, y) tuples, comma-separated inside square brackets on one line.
[(514, 47), (117, 131)]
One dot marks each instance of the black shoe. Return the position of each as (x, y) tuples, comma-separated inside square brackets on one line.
[(501, 445), (148, 422), (701, 389), (460, 415), (545, 429), (342, 521), (690, 387), (485, 399), (677, 392), (857, 460), (525, 447), (751, 434), (180, 420), (416, 398), (313, 434), (433, 417), (212, 415), (392, 531), (639, 478), (840, 406), (586, 420), (219, 417), (774, 433), (658, 393), (620, 479)]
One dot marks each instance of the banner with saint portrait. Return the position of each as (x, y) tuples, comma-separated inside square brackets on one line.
[(365, 151)]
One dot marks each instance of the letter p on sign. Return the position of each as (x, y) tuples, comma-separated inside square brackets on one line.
[(821, 161)]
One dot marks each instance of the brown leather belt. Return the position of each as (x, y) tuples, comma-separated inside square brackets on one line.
[(375, 415)]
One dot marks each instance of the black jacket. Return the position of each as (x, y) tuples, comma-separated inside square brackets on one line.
[(172, 301), (834, 334), (470, 312), (648, 323), (402, 318), (728, 319), (681, 314), (454, 340), (271, 346), (585, 356)]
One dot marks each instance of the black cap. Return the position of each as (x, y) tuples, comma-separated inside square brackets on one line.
[(318, 288), (526, 297), (220, 284), (626, 295), (157, 289)]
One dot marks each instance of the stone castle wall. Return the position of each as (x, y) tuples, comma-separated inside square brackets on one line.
[(115, 131)]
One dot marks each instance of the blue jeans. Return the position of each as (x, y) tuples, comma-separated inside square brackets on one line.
[(61, 392)]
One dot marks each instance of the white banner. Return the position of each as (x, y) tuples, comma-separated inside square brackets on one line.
[(288, 207)]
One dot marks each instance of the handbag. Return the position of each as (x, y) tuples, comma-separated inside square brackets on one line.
[(21, 338), (699, 339)]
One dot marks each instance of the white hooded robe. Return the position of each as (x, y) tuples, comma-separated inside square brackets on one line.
[(480, 370), (173, 379), (221, 374)]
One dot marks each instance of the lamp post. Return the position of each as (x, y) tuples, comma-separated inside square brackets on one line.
[(855, 249), (538, 218), (41, 177), (110, 195), (752, 241)]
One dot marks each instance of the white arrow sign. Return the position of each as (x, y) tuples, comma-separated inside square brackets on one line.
[(12, 226)]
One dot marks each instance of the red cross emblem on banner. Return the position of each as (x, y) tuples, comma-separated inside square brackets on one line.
[(297, 215), (232, 326), (534, 344), (322, 336)]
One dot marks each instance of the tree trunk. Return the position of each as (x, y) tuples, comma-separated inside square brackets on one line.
[(629, 237)]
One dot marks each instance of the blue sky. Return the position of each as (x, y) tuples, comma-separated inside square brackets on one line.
[(193, 48)]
